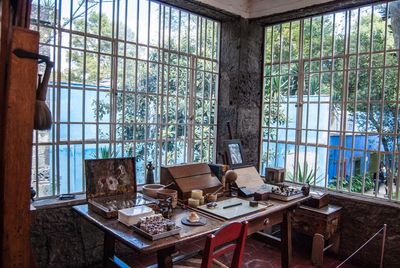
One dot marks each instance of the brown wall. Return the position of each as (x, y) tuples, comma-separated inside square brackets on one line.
[(361, 219)]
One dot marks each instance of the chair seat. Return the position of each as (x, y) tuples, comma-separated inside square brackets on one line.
[(196, 262), (229, 238)]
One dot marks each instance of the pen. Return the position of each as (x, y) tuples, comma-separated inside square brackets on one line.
[(233, 205)]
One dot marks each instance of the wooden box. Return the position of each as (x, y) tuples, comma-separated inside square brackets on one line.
[(111, 185), (318, 201), (324, 221), (188, 177), (274, 175)]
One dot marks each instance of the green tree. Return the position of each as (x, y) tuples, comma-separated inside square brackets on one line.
[(362, 89), (136, 78)]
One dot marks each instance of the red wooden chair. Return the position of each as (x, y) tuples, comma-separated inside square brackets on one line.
[(231, 237)]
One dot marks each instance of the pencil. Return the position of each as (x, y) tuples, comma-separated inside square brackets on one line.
[(233, 205)]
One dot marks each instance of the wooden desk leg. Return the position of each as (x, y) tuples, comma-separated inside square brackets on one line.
[(286, 240), (164, 258), (109, 249), (335, 240), (317, 254)]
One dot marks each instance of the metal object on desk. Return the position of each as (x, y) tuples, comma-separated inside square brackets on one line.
[(165, 206), (150, 173), (285, 193)]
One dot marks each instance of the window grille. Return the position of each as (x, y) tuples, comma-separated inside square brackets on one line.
[(331, 100), (131, 78)]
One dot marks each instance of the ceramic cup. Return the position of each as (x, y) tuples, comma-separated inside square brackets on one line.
[(211, 197), (164, 193)]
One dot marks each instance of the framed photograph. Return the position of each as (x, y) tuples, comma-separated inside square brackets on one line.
[(233, 151), (105, 177)]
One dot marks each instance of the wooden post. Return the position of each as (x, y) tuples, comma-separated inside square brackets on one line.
[(286, 240), (164, 259), (17, 150), (317, 255), (108, 249)]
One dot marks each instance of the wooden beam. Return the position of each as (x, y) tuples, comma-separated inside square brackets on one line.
[(4, 41), (286, 240), (17, 150)]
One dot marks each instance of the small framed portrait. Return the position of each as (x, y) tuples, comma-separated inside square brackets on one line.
[(233, 151)]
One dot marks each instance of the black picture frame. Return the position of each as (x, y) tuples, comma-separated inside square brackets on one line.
[(233, 153)]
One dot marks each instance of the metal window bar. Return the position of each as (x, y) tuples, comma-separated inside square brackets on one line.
[(343, 148), (343, 125), (368, 99), (113, 55)]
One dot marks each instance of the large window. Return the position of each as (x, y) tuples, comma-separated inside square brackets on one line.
[(131, 78), (331, 100)]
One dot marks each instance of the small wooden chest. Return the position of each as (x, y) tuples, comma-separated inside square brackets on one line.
[(188, 177), (318, 200)]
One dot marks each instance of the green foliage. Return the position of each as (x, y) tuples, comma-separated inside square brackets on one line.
[(105, 152), (139, 115), (356, 183), (307, 175), (373, 79)]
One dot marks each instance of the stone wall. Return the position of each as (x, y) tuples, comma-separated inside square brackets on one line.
[(240, 86), (360, 220), (61, 238)]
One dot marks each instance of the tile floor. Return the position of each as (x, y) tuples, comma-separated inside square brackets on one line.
[(257, 255)]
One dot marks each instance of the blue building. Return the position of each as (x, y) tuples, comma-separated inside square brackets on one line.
[(355, 157)]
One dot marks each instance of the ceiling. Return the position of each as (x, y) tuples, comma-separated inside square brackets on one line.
[(260, 8)]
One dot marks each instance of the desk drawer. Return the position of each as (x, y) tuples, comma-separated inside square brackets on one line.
[(264, 222)]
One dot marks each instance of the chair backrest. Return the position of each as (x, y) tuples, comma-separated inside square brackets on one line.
[(230, 237)]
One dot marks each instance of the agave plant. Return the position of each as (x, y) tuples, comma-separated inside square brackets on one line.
[(105, 152), (307, 175)]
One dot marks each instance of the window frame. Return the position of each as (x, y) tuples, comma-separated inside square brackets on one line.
[(196, 64), (346, 70)]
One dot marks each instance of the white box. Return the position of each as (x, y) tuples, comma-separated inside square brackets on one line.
[(130, 216)]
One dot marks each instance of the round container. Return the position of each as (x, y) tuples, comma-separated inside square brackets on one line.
[(197, 194), (164, 193), (211, 197), (151, 189), (194, 203)]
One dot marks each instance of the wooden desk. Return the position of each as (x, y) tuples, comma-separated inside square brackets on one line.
[(280, 212)]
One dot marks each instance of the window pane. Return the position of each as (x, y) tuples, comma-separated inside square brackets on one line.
[(113, 96), (349, 104)]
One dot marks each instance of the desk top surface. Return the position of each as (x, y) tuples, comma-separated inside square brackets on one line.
[(326, 210), (134, 240)]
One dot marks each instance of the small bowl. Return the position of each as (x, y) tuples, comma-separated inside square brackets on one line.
[(151, 189), (211, 197)]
